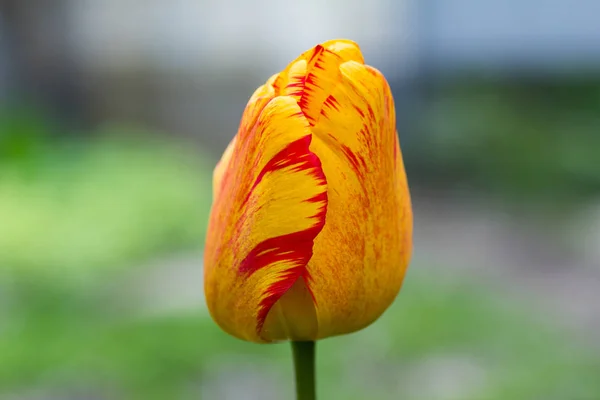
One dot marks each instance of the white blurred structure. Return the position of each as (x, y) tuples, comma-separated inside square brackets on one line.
[(201, 35), (540, 35), (188, 66), (265, 34)]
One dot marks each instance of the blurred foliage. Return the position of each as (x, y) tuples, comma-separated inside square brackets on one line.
[(78, 206), (78, 215), (432, 333), (521, 140), (22, 134)]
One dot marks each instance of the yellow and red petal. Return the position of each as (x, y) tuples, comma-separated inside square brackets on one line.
[(291, 81), (362, 253), (272, 205), (346, 49), (360, 257)]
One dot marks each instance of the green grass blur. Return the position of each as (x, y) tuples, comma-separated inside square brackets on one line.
[(76, 216)]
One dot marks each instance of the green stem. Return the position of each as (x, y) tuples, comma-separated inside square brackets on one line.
[(304, 368)]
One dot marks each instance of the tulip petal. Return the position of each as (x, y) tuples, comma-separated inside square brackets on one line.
[(346, 49), (291, 81), (319, 81), (272, 205), (367, 241)]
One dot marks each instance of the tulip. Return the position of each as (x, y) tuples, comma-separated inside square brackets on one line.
[(310, 231)]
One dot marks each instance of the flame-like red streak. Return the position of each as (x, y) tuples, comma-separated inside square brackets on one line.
[(332, 102), (310, 82), (297, 85), (357, 162), (296, 247)]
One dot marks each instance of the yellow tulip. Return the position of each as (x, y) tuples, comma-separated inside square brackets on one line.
[(310, 232)]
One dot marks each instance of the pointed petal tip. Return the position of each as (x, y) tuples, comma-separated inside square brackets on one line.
[(347, 49)]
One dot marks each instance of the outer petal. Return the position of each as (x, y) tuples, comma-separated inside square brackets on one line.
[(271, 204), (291, 81), (361, 255), (346, 49), (257, 102)]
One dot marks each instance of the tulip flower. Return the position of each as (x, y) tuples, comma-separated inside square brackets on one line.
[(310, 231)]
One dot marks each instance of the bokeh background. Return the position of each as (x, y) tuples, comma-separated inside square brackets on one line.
[(113, 113)]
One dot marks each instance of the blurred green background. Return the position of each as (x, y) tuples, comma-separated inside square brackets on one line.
[(107, 144)]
